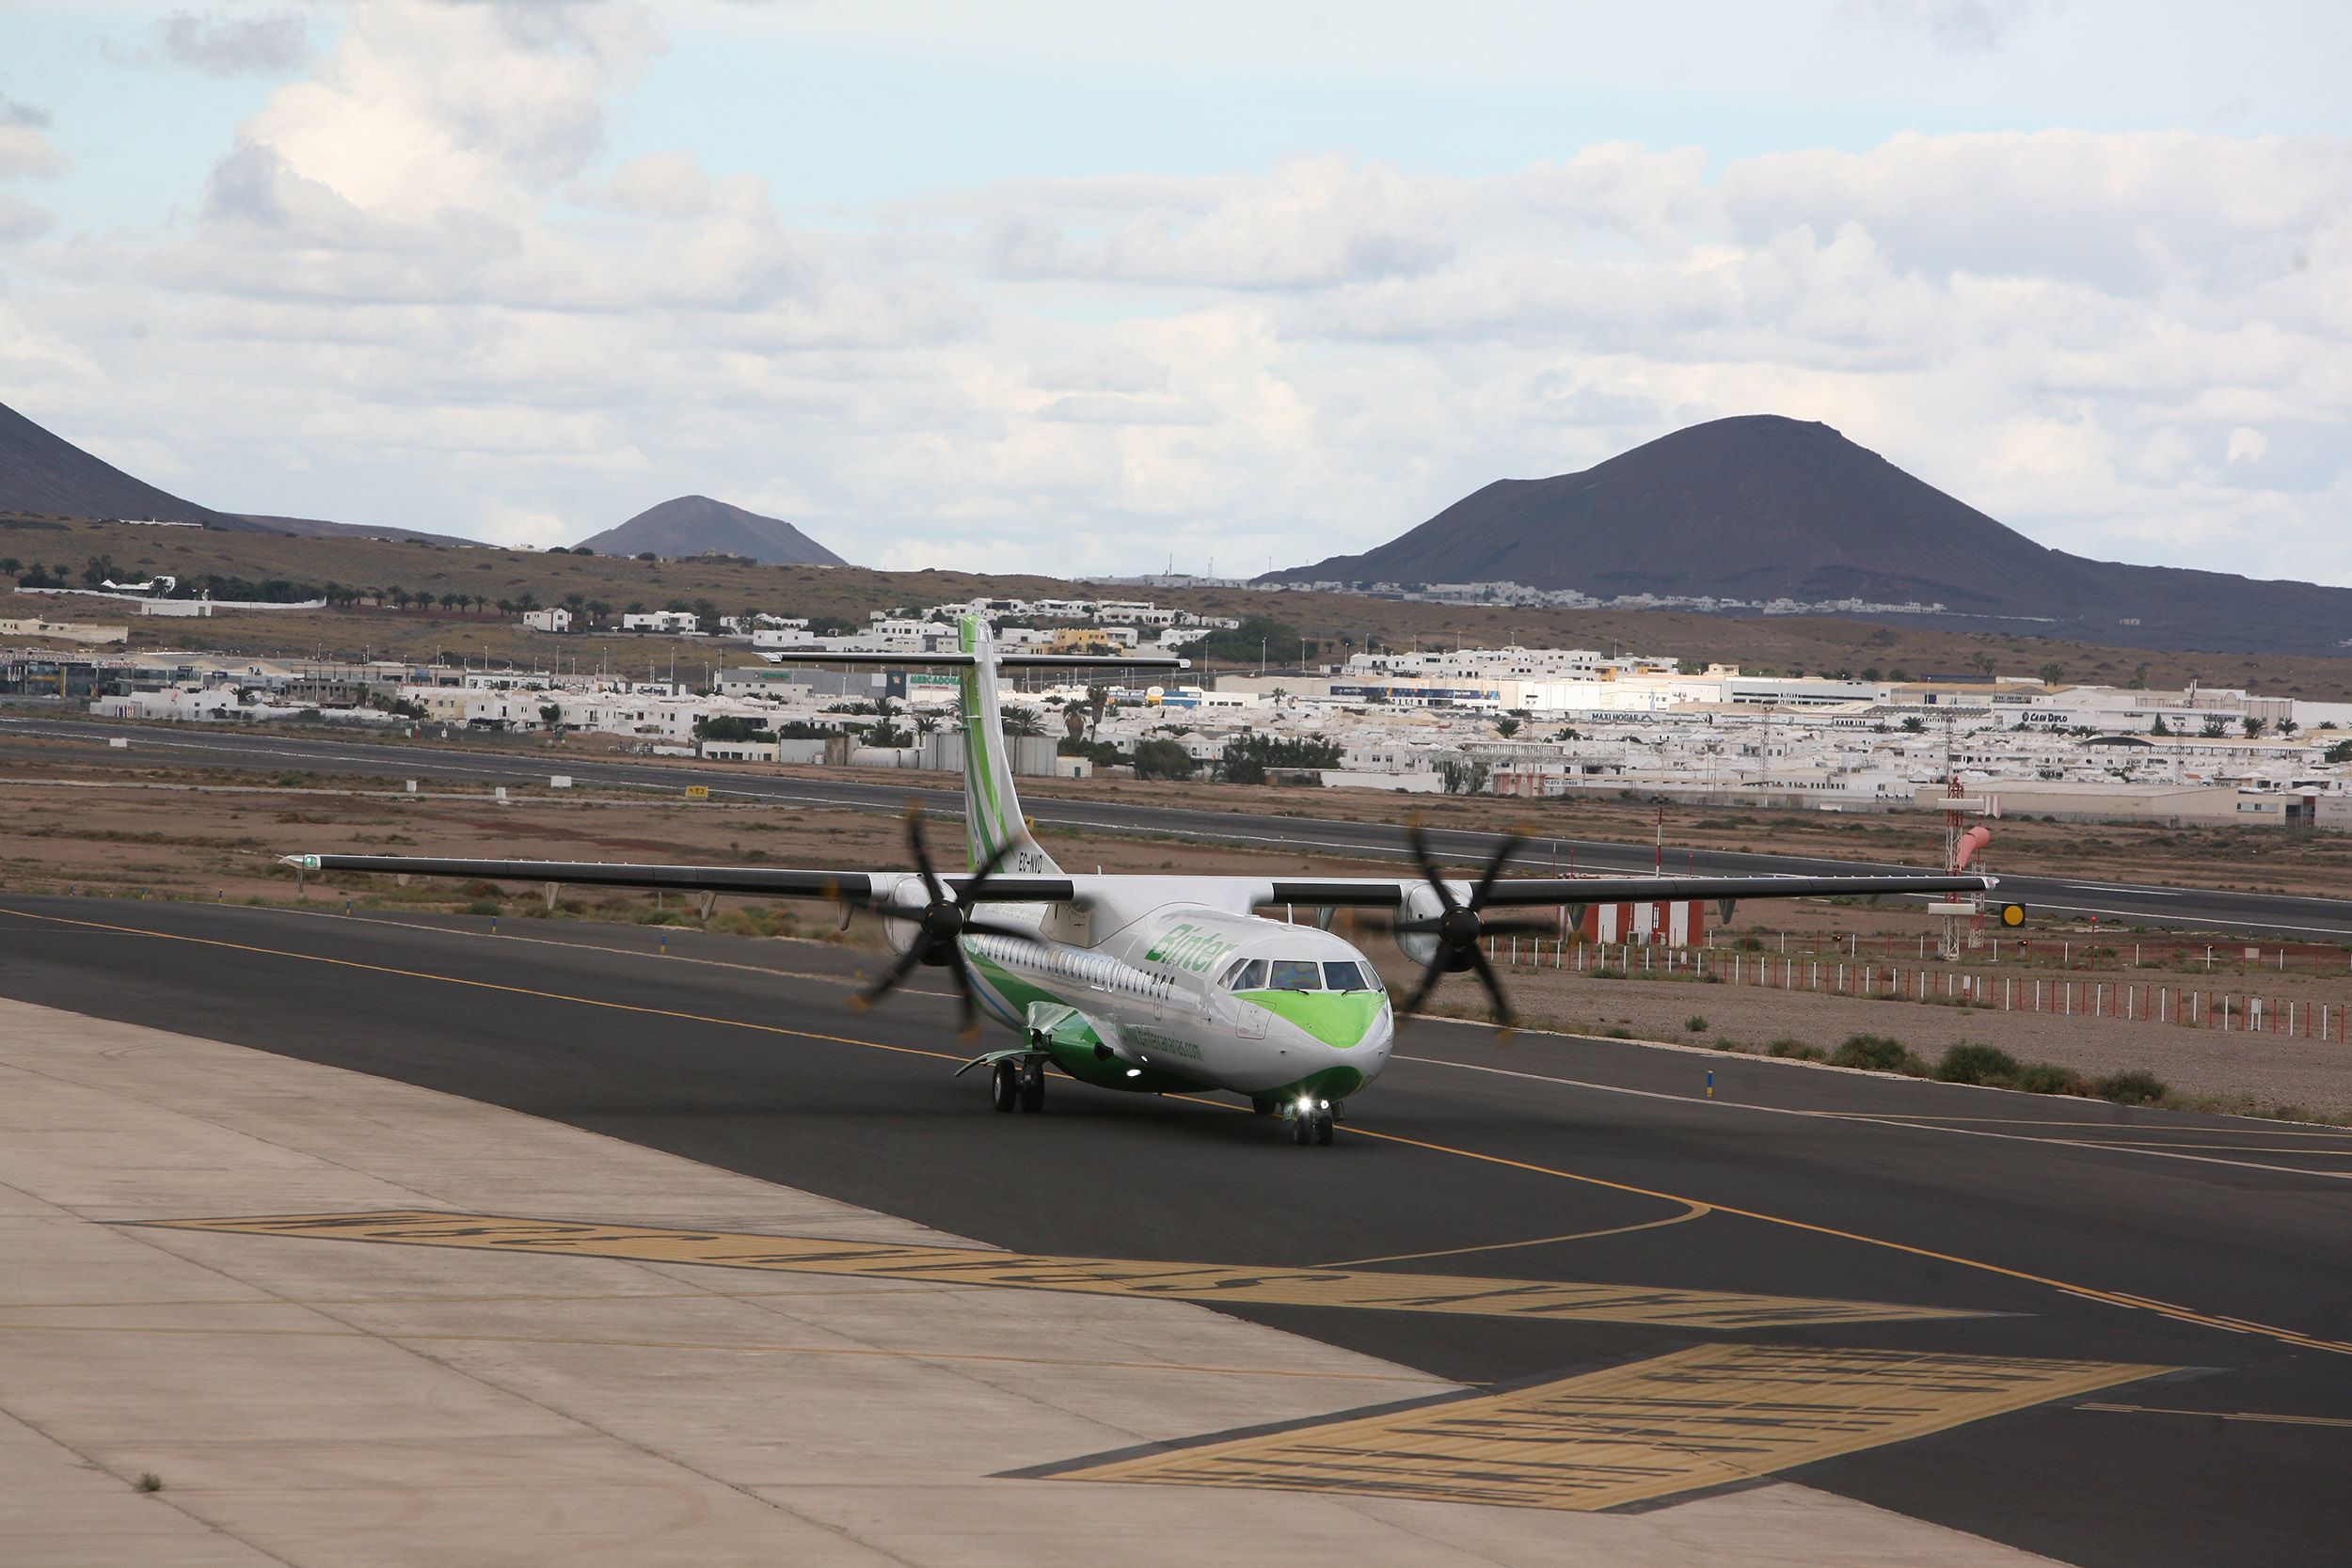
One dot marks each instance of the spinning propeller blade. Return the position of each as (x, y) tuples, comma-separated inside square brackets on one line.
[(941, 925), (1460, 928)]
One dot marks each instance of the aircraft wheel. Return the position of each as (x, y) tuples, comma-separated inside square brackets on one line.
[(1004, 1086), (1302, 1131), (1033, 1087), (1323, 1128)]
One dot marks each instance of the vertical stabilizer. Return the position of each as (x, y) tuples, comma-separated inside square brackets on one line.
[(992, 807)]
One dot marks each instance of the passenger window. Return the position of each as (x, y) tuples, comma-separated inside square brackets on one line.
[(1296, 974), (1346, 977), (1248, 974)]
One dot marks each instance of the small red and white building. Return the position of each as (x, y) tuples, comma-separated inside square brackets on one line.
[(1662, 922)]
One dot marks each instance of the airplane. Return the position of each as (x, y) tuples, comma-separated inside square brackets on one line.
[(1155, 984)]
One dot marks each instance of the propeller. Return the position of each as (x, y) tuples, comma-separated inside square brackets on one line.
[(1459, 927), (941, 925)]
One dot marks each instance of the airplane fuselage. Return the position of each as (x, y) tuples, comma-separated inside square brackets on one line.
[(1189, 996)]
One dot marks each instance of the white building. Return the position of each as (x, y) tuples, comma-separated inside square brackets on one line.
[(673, 620), (556, 618)]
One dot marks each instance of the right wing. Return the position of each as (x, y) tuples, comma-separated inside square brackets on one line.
[(854, 887)]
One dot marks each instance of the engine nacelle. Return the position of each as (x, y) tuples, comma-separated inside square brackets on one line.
[(1421, 903), (909, 899)]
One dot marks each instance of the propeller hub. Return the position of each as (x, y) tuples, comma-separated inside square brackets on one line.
[(942, 923), (1459, 927)]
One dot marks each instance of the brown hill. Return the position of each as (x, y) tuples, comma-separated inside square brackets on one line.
[(318, 528), (696, 525), (1759, 507)]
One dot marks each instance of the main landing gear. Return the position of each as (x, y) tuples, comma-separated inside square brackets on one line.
[(1017, 1085)]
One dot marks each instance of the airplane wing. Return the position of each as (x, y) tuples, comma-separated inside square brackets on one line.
[(1391, 891), (855, 887)]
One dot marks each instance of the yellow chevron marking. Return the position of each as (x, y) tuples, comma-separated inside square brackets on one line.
[(1654, 1429), (1362, 1289)]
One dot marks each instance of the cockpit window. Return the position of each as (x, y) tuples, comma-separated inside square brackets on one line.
[(1246, 975), (1295, 974), (1346, 977)]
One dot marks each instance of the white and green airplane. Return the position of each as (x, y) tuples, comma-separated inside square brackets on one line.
[(1155, 983)]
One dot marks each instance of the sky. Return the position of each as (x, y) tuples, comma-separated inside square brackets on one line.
[(1045, 286)]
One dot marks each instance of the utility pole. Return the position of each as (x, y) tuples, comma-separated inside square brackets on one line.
[(1947, 945)]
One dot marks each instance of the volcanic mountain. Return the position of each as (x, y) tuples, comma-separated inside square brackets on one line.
[(1761, 508), (696, 525), (48, 475), (45, 474)]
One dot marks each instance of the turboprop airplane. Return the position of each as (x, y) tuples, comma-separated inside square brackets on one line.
[(1149, 983)]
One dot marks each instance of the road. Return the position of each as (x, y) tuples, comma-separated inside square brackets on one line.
[(2257, 914), (2209, 1246)]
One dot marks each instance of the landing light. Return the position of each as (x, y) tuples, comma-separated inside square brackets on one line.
[(1135, 1073), (1307, 1102)]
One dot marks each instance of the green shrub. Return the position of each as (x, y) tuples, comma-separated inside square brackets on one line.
[(2132, 1087), (483, 905), (2050, 1077), (1798, 1050), (1697, 1024), (1878, 1054), (1969, 1063)]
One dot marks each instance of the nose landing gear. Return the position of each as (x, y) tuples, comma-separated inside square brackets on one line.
[(1312, 1122)]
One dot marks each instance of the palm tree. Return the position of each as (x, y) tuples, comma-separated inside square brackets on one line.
[(453, 601), (1023, 721), (599, 610), (396, 596), (1073, 721), (1098, 704)]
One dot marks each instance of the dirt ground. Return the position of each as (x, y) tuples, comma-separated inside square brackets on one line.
[(2266, 1073), (2251, 860), (180, 833)]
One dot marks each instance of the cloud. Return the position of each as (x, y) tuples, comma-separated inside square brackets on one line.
[(27, 154), (25, 151), (22, 220), (1958, 27), (266, 45)]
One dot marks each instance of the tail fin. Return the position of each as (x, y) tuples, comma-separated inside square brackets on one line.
[(992, 807)]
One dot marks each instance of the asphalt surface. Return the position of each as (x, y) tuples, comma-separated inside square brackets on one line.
[(2213, 1245), (2184, 908)]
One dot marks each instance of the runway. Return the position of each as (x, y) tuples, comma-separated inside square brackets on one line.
[(2001, 1227), (2187, 909)]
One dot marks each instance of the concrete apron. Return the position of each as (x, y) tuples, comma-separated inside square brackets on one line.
[(312, 1403)]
